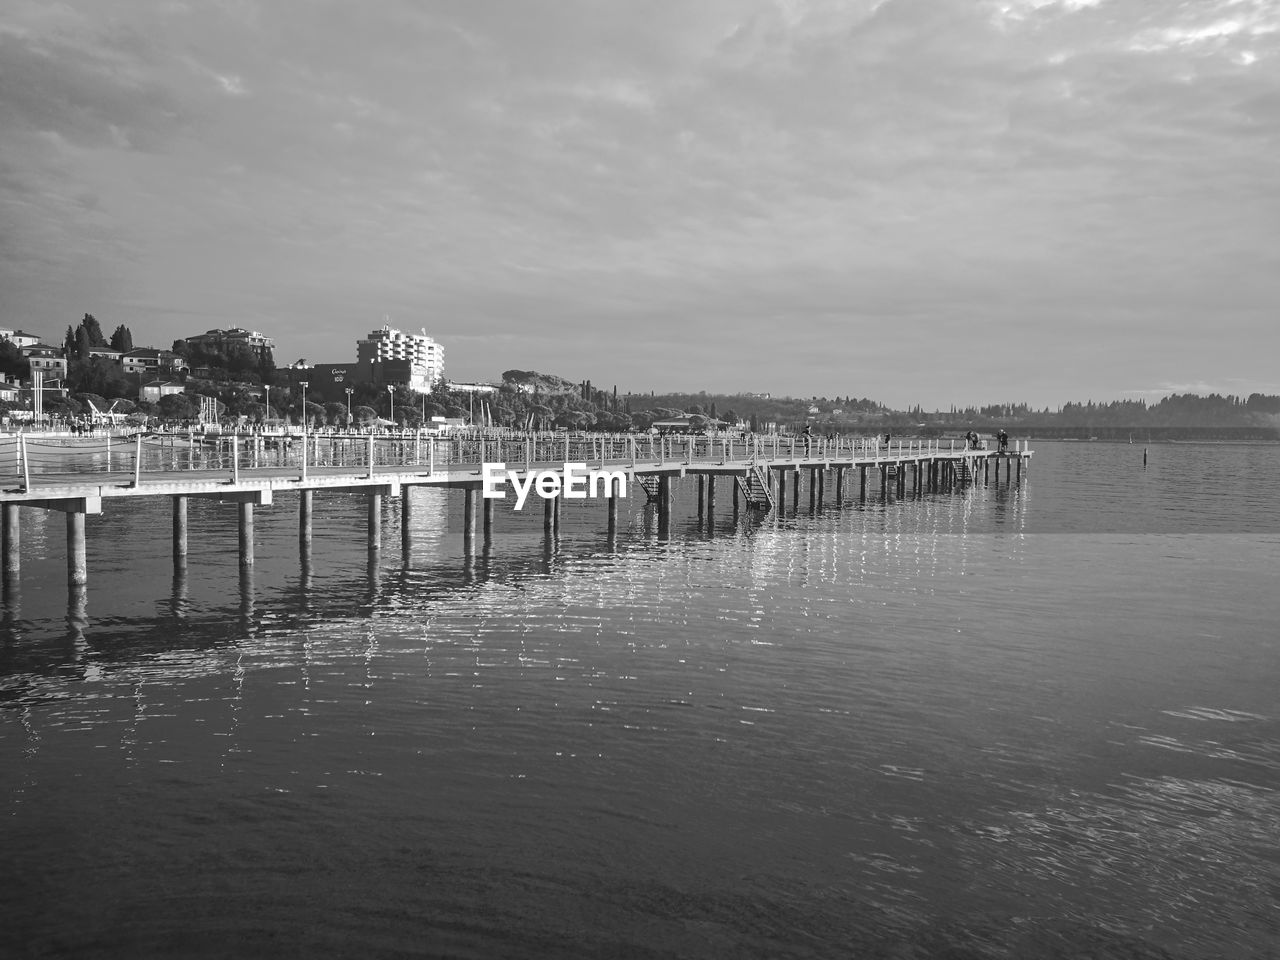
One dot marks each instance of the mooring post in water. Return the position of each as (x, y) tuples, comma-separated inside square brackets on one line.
[(822, 486), (548, 521), (1144, 458), (246, 533), (862, 481), (77, 566), (375, 522), (711, 496), (702, 491), (795, 491), (487, 520), (555, 514), (179, 530), (839, 485), (782, 489)]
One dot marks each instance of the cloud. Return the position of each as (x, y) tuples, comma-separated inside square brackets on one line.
[(838, 181)]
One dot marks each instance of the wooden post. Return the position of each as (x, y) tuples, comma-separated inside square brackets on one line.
[(548, 519), (246, 534), (702, 492), (839, 485), (555, 514), (862, 481), (1019, 477), (795, 491), (782, 489), (1007, 468), (179, 531), (711, 497), (813, 488), (487, 517), (822, 486), (77, 567)]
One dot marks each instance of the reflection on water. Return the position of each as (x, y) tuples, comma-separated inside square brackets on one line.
[(907, 727)]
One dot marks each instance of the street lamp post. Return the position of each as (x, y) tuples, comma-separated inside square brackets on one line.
[(267, 388), (349, 392), (391, 392)]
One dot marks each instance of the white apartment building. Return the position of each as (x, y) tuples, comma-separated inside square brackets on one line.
[(424, 355)]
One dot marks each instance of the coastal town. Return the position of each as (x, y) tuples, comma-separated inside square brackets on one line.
[(229, 379)]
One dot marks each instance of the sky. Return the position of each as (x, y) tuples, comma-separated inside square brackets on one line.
[(919, 201)]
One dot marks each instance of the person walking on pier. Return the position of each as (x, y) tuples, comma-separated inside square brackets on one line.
[(808, 439), (1003, 437)]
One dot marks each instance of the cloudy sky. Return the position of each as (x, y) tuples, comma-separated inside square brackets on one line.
[(920, 201)]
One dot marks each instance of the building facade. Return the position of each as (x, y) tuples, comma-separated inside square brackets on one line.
[(425, 356), (220, 339)]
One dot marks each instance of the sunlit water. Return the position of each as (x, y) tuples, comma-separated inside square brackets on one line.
[(1001, 722)]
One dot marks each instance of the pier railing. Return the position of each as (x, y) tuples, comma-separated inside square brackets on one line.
[(28, 460)]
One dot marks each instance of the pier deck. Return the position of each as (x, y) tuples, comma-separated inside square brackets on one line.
[(77, 476)]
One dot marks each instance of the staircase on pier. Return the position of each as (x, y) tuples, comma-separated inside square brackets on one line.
[(755, 489)]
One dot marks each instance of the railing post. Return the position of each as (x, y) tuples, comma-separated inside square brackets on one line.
[(235, 459), (26, 463), (108, 452), (137, 464), (371, 456)]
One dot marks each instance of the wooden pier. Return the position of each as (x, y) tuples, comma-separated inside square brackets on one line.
[(75, 477)]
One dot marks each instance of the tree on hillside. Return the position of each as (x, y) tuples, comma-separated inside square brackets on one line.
[(122, 339), (12, 363), (176, 406), (94, 331)]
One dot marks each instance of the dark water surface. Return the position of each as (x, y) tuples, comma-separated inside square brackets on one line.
[(1005, 722)]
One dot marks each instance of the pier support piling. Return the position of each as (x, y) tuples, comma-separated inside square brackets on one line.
[(375, 522), (664, 507), (179, 531), (77, 566), (406, 519), (246, 534), (468, 521), (304, 522), (12, 540)]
